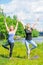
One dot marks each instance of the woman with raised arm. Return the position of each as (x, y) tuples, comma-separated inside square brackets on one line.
[(28, 38), (11, 32)]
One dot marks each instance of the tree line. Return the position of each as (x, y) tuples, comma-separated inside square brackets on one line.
[(13, 21)]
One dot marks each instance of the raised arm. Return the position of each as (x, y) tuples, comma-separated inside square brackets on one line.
[(6, 25), (23, 24), (16, 27), (35, 23)]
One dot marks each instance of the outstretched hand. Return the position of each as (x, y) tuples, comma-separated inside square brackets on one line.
[(36, 21)]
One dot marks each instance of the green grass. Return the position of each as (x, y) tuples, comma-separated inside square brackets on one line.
[(20, 57)]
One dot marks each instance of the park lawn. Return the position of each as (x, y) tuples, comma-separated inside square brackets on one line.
[(19, 56)]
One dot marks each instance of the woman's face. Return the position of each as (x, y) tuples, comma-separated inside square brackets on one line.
[(28, 25), (11, 28)]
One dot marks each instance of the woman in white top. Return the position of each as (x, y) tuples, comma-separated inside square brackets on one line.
[(11, 32)]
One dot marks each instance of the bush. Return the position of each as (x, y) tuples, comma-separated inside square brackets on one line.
[(2, 36), (35, 33), (10, 21)]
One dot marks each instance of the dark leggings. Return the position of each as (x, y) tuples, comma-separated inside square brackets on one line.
[(11, 47)]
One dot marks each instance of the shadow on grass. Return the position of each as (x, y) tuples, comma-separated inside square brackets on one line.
[(30, 58), (24, 57), (19, 57), (3, 56)]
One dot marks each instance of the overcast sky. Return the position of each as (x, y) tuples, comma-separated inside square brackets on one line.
[(26, 10)]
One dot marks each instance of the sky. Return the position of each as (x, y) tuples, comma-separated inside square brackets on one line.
[(26, 10)]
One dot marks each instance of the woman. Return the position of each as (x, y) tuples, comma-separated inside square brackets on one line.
[(28, 39), (11, 32)]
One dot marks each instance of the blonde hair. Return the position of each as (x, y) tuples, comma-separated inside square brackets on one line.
[(11, 27), (27, 26)]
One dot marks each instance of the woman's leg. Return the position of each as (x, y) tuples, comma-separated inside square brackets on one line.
[(27, 47), (34, 45), (5, 46), (11, 49)]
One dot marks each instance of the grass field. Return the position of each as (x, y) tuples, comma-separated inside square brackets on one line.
[(19, 56)]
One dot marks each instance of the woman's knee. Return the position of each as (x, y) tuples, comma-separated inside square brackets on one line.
[(34, 44)]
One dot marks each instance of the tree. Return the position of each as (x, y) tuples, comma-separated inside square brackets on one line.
[(35, 33), (15, 17)]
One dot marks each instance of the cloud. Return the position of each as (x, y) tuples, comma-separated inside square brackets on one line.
[(24, 9)]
